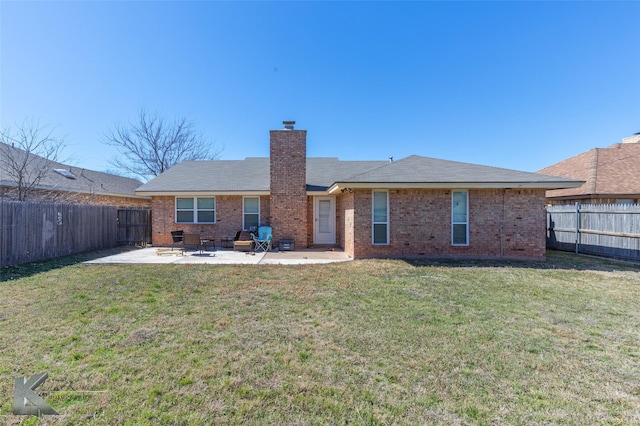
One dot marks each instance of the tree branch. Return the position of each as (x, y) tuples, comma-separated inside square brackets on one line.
[(150, 146)]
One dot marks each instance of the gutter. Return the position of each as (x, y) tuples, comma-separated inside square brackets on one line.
[(199, 193), (457, 185)]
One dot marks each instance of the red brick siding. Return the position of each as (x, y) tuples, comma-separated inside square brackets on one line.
[(288, 204), (310, 221), (78, 198), (420, 224), (524, 230), (346, 222), (228, 218)]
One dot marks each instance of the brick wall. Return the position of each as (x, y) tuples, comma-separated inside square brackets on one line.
[(310, 222), (502, 223), (525, 223), (228, 219), (345, 222), (77, 198), (288, 203)]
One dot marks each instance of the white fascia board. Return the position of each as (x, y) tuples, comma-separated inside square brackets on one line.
[(201, 193), (213, 193), (454, 185), (137, 196)]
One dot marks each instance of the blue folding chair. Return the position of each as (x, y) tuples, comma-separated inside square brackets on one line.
[(263, 240)]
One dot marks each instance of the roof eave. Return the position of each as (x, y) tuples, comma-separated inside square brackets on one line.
[(586, 196), (198, 193), (455, 185), (78, 191), (108, 194)]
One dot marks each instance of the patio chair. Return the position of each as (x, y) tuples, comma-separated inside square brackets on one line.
[(242, 241), (263, 240), (192, 240), (177, 237)]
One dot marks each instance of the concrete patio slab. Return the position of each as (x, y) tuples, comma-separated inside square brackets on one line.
[(299, 257), (163, 255)]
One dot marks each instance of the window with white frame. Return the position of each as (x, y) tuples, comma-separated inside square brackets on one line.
[(250, 213), (380, 217), (195, 210), (460, 218)]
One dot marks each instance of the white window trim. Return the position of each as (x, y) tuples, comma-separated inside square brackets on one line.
[(373, 222), (195, 211), (460, 223), (243, 212)]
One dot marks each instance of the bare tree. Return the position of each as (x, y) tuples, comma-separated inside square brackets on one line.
[(151, 146), (27, 155)]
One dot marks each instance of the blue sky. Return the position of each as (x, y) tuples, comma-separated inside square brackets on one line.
[(520, 85)]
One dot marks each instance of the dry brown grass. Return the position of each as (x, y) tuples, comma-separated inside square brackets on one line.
[(364, 342)]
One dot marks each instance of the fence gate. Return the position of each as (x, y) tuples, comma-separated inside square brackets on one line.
[(134, 226)]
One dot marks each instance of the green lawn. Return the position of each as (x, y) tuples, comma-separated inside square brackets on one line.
[(363, 342)]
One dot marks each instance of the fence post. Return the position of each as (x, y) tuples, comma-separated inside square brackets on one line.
[(577, 226)]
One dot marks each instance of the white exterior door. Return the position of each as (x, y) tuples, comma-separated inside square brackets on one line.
[(324, 220)]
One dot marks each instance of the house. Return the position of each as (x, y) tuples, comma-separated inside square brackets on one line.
[(416, 206), (611, 175), (57, 182)]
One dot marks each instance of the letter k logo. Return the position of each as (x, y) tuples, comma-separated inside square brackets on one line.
[(26, 401)]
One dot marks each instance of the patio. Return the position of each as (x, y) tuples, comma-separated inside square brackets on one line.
[(163, 255)]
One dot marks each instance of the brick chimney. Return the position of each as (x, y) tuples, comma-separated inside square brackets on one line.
[(288, 204)]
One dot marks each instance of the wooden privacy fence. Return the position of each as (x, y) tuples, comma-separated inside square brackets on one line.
[(134, 226), (31, 231), (34, 230), (611, 230)]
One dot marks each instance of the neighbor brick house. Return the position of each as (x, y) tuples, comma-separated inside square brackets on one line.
[(416, 206), (611, 175), (56, 182)]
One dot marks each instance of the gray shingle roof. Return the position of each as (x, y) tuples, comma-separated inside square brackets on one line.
[(324, 172), (252, 175), (417, 169), (84, 181)]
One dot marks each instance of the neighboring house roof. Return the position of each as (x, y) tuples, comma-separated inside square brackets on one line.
[(71, 179), (332, 174), (614, 170)]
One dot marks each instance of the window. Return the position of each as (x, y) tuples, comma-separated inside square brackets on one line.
[(380, 217), (250, 213), (460, 218), (195, 210)]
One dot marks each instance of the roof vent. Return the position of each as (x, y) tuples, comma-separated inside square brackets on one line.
[(288, 125), (66, 173)]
